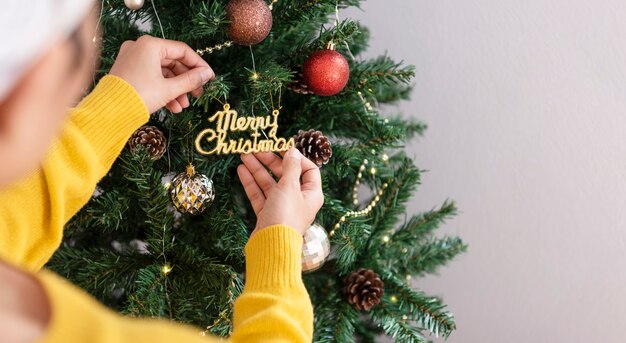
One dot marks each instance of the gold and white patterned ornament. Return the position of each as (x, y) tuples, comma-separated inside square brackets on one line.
[(315, 249), (191, 192)]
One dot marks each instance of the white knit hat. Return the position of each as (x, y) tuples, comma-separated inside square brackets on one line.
[(29, 28)]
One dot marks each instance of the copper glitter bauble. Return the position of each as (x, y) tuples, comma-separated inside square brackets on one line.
[(191, 192), (315, 249), (250, 21), (326, 72)]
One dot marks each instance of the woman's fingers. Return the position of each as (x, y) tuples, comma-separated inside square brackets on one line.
[(272, 161), (174, 107), (174, 50), (177, 105), (292, 168), (138, 63), (178, 68), (253, 191), (260, 174), (183, 100), (311, 183), (311, 177)]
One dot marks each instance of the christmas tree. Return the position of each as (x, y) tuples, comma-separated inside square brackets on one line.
[(145, 250)]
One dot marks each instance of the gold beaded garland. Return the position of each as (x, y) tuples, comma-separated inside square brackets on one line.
[(362, 213), (216, 47)]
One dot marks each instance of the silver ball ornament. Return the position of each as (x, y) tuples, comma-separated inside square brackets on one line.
[(134, 4), (191, 192), (315, 249)]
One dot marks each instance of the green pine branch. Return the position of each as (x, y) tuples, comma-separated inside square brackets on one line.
[(393, 202), (150, 298), (335, 321), (420, 227), (350, 241), (427, 258), (288, 13), (102, 273), (116, 246), (427, 312), (395, 327), (380, 72)]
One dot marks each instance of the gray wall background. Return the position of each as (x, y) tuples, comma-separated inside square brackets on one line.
[(526, 106)]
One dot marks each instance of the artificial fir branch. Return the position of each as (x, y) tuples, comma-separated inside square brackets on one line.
[(345, 31), (396, 327), (427, 258), (149, 298), (335, 321), (393, 206), (105, 216), (118, 244), (208, 18), (427, 312), (421, 226), (297, 11), (350, 241), (379, 72), (100, 272), (367, 332)]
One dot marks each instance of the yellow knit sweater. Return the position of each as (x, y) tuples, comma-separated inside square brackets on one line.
[(274, 306)]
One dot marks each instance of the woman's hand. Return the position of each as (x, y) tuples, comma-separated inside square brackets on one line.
[(289, 201), (162, 72), (24, 308)]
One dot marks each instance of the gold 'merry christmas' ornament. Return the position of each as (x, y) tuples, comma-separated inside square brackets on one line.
[(228, 121)]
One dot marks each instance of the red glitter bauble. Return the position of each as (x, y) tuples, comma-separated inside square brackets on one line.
[(250, 21), (326, 72)]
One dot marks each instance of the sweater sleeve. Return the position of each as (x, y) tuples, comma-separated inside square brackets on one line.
[(34, 211), (274, 306)]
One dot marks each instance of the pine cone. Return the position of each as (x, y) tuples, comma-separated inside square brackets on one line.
[(315, 146), (363, 289), (297, 85), (151, 138)]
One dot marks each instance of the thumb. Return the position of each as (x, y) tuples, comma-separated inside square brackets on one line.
[(189, 81), (292, 167)]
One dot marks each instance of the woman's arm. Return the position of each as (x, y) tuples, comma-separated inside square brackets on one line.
[(34, 211), (148, 74), (274, 306)]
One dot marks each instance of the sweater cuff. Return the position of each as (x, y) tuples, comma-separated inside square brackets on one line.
[(274, 258), (109, 115)]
